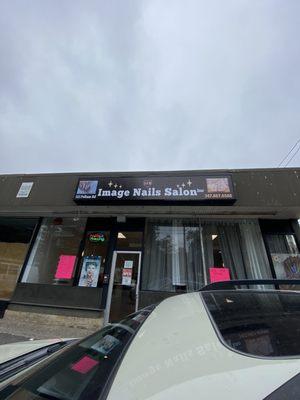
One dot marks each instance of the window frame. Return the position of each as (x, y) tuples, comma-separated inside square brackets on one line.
[(30, 247)]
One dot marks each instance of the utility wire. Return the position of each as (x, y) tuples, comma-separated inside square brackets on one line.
[(282, 161), (292, 157)]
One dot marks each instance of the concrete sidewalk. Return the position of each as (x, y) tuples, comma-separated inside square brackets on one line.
[(7, 338), (24, 326)]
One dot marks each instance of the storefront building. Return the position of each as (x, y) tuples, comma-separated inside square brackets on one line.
[(104, 245)]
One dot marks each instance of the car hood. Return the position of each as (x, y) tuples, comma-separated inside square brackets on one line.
[(13, 350)]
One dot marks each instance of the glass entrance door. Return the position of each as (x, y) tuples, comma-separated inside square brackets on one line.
[(123, 286)]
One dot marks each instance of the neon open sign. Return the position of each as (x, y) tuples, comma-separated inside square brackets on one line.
[(97, 237)]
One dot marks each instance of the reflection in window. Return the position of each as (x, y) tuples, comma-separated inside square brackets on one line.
[(83, 371), (262, 324), (53, 257)]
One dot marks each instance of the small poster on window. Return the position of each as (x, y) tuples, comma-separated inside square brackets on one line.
[(106, 344), (287, 266), (128, 264), (126, 276), (90, 271)]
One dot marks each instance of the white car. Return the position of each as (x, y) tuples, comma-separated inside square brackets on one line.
[(213, 344), (15, 357), (10, 351)]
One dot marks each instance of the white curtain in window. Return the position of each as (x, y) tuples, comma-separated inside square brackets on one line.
[(241, 246), (256, 260), (231, 249), (172, 259), (178, 258)]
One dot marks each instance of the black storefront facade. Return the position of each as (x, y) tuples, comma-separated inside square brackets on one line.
[(101, 245)]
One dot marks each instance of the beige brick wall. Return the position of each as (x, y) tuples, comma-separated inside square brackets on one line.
[(12, 256)]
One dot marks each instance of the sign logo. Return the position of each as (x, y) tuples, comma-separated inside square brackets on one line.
[(217, 185), (87, 187)]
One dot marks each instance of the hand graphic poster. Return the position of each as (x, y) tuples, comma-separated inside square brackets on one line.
[(287, 266)]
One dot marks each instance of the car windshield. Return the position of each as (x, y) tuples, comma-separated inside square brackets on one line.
[(259, 323), (83, 371), (13, 366)]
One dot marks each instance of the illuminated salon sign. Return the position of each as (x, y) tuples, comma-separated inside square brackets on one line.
[(155, 188)]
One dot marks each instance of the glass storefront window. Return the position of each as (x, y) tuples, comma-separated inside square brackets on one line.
[(237, 246), (282, 243), (182, 254), (15, 235), (285, 255), (54, 255), (172, 259)]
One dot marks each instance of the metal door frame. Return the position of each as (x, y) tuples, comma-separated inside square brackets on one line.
[(112, 277)]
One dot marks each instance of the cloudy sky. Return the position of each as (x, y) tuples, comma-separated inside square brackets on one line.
[(125, 85)]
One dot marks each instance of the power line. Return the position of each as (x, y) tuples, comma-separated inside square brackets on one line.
[(281, 162), (292, 156)]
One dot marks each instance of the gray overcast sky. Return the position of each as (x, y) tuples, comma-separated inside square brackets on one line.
[(124, 85)]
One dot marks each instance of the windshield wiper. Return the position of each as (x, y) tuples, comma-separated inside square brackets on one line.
[(17, 364)]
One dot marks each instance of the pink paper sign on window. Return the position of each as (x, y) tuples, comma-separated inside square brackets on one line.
[(219, 274), (84, 365), (65, 267)]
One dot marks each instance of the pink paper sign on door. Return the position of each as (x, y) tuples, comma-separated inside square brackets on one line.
[(219, 274), (65, 267)]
